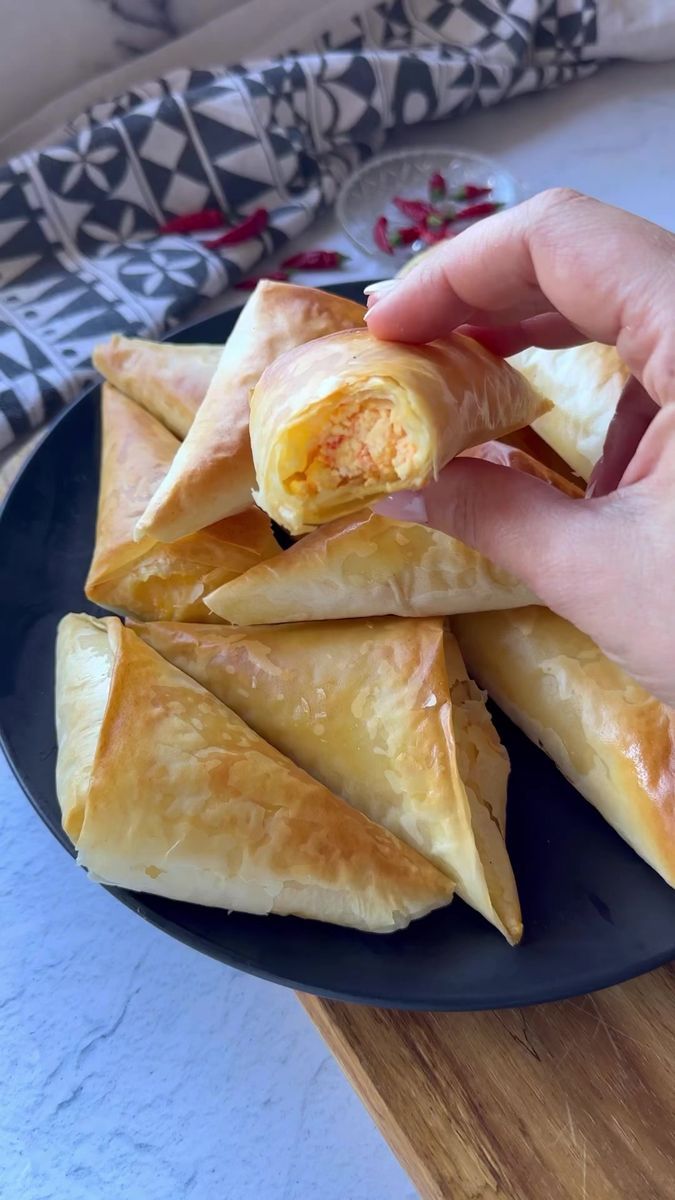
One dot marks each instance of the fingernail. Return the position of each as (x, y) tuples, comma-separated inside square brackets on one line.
[(381, 287), (403, 506)]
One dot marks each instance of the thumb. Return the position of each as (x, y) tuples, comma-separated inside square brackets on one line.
[(599, 563), (556, 544)]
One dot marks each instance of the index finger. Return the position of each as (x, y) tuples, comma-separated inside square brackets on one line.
[(610, 275)]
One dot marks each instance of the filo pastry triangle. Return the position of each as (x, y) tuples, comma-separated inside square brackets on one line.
[(533, 444), (146, 579), (370, 564), (167, 379), (611, 739), (584, 384), (163, 789), (212, 476), (345, 420), (384, 714)]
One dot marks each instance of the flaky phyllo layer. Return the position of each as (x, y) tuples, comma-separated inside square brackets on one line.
[(212, 475), (145, 578), (383, 713), (348, 419), (165, 789)]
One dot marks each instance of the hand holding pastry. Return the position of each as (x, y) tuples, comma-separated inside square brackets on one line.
[(560, 270)]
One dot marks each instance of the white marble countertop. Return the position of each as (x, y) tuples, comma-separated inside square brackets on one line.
[(135, 1069)]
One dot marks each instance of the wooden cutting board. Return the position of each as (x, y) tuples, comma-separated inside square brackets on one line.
[(570, 1101)]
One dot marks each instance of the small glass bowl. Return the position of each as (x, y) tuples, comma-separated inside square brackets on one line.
[(368, 193)]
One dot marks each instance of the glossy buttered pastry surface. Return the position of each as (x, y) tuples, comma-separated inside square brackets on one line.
[(298, 731), (147, 579), (384, 714), (164, 789), (168, 379), (212, 475)]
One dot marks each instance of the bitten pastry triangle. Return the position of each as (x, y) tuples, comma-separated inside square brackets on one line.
[(212, 476)]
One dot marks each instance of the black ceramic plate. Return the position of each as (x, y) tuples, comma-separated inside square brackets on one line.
[(594, 913)]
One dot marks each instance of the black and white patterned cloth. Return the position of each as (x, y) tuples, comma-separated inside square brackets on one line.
[(80, 253)]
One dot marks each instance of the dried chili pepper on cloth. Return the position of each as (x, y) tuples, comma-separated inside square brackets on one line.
[(314, 260), (247, 285), (251, 226), (208, 218)]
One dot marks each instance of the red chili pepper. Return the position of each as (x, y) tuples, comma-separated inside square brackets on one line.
[(414, 210), (404, 236), (381, 235), (431, 236), (247, 285), (438, 189), (471, 191), (208, 218), (314, 260), (484, 209), (250, 227)]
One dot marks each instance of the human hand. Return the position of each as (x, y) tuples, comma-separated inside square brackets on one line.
[(559, 270)]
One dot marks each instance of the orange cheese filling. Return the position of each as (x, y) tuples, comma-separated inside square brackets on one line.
[(359, 446)]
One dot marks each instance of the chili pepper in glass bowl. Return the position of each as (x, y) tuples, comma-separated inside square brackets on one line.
[(438, 189), (381, 235), (484, 208), (437, 220), (404, 236), (414, 210), (395, 186), (470, 191), (431, 236)]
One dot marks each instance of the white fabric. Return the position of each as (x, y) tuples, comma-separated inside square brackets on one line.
[(248, 29), (635, 29)]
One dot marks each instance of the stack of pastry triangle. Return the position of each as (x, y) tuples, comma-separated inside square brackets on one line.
[(143, 578), (212, 476), (164, 789), (167, 379), (370, 564), (384, 714)]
